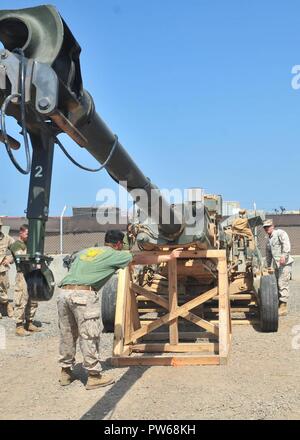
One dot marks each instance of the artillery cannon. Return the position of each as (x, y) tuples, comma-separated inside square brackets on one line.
[(41, 87)]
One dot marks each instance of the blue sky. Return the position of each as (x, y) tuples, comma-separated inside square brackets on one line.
[(198, 91)]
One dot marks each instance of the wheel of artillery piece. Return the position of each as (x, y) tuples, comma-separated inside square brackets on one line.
[(268, 303), (108, 303)]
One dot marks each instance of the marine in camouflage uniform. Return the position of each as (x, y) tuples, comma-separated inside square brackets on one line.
[(79, 307), (5, 242), (130, 237), (278, 251), (25, 308)]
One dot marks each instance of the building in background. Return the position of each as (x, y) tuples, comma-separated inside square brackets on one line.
[(230, 208), (92, 210), (81, 231), (195, 195)]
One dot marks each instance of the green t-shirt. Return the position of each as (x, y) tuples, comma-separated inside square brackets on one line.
[(18, 248), (95, 265)]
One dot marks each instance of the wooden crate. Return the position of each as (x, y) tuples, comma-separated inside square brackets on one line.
[(136, 341)]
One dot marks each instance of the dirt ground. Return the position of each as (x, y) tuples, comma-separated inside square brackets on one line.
[(260, 381)]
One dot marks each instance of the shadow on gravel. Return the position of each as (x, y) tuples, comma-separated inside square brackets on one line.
[(113, 395), (80, 373)]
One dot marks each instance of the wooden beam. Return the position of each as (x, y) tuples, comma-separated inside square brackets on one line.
[(119, 332), (152, 256), (237, 297), (134, 311), (173, 301), (128, 327), (178, 348), (201, 322), (150, 296), (245, 321), (224, 309), (160, 336), (175, 361), (169, 316), (233, 309), (132, 320)]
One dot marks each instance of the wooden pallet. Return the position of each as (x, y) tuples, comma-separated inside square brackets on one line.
[(136, 341)]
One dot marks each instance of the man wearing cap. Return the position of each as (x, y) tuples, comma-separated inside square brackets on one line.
[(79, 307), (25, 308), (278, 252), (5, 242)]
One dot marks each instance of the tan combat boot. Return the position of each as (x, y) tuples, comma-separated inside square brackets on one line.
[(65, 377), (98, 380), (9, 310), (20, 331), (31, 327), (282, 310)]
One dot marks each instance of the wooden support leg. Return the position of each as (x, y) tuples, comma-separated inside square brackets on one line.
[(122, 294), (173, 301), (224, 310)]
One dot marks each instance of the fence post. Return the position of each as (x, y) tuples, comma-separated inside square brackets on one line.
[(61, 229)]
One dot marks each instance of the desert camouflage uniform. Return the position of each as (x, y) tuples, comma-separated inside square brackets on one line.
[(5, 242), (278, 245), (79, 318), (78, 304), (24, 309)]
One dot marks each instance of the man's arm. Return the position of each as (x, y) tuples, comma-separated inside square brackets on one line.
[(146, 259), (122, 259), (8, 259)]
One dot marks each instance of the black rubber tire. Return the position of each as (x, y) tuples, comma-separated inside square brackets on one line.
[(108, 304), (268, 304)]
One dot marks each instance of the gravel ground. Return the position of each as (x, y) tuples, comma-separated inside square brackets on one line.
[(260, 381)]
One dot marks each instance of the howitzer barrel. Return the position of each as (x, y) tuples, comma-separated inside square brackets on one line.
[(124, 170), (45, 38), (41, 87)]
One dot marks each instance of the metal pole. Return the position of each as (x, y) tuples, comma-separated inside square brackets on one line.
[(39, 191), (61, 229)]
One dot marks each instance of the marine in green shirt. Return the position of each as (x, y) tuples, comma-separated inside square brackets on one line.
[(19, 247), (25, 308), (79, 308)]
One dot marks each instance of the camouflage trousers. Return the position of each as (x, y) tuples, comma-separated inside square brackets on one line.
[(24, 308), (79, 319), (283, 274), (4, 286)]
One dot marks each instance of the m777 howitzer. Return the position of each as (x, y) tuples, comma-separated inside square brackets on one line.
[(41, 87)]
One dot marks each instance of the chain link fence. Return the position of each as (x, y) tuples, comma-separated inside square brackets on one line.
[(80, 232)]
